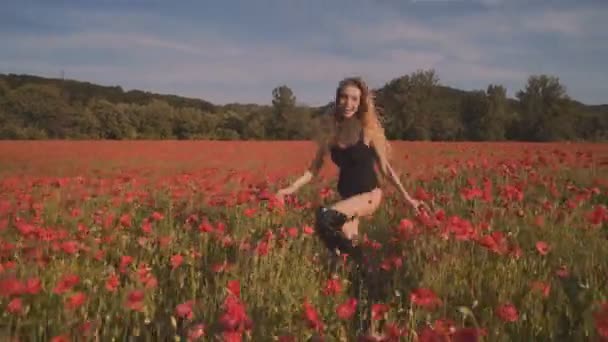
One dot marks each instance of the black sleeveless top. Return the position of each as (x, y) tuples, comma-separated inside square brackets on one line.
[(356, 164)]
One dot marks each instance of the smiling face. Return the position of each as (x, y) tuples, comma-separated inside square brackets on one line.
[(349, 98)]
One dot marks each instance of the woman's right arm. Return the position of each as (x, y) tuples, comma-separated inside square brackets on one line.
[(323, 131), (309, 174)]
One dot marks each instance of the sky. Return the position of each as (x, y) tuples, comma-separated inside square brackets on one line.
[(239, 50)]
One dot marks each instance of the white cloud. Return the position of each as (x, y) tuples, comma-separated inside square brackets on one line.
[(480, 73), (121, 41), (198, 62), (459, 46), (410, 31), (161, 63)]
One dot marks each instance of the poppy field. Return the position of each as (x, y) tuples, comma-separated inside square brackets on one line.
[(184, 241)]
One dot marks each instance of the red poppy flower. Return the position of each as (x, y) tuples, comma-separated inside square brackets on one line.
[(507, 312), (347, 309)]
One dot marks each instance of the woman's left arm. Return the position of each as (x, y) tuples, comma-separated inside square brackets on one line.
[(394, 177), (388, 172)]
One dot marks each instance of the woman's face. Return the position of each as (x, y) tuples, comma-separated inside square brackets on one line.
[(349, 99)]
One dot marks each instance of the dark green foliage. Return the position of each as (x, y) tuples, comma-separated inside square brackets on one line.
[(486, 115), (409, 105), (547, 113), (413, 107)]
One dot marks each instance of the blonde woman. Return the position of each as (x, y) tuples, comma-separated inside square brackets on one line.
[(354, 138)]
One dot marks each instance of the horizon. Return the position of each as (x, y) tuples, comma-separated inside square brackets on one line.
[(236, 102), (238, 52)]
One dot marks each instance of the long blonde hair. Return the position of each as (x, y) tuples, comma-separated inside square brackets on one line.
[(370, 121)]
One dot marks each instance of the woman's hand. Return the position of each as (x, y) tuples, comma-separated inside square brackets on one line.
[(282, 193), (418, 205)]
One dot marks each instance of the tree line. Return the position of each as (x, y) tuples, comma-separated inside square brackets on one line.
[(413, 107)]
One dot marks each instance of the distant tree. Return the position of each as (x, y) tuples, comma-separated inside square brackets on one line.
[(413, 107), (408, 103), (447, 127), (473, 114), (299, 124), (498, 116), (155, 119), (8, 126), (283, 99), (84, 124), (4, 89), (226, 134), (186, 123), (485, 115), (11, 120), (283, 103), (41, 108), (113, 120), (4, 117), (445, 119), (256, 124), (209, 123), (546, 110), (233, 122)]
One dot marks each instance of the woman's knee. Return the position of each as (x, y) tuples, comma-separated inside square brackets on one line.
[(351, 228)]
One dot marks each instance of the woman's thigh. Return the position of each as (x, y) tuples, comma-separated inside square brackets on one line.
[(364, 204)]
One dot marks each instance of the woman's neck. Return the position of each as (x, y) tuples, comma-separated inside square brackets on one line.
[(349, 131)]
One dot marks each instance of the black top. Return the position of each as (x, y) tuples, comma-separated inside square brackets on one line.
[(356, 164)]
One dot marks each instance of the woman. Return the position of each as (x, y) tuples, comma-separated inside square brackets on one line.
[(352, 135)]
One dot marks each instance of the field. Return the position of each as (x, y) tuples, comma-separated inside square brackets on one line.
[(170, 240)]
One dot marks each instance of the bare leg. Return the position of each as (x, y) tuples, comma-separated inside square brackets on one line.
[(364, 204), (338, 225), (360, 206), (351, 229)]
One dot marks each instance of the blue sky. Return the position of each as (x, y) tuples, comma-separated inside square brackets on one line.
[(239, 50)]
